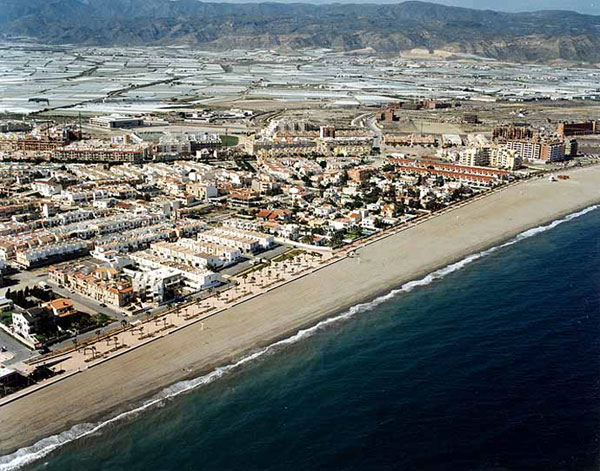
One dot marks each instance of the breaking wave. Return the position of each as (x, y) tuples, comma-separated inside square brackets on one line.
[(42, 448)]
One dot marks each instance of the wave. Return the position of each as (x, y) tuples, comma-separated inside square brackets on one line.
[(42, 448)]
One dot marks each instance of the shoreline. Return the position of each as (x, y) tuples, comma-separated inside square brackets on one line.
[(380, 267)]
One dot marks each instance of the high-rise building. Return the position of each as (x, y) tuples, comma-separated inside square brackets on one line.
[(578, 129)]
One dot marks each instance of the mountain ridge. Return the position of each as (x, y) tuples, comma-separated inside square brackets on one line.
[(539, 36)]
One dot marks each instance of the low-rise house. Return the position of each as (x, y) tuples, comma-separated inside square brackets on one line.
[(46, 187), (245, 241), (6, 305), (38, 256), (341, 224), (60, 307), (102, 284), (28, 324)]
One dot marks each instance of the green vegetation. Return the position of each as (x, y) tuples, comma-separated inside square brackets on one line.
[(253, 269), (337, 240), (244, 165), (229, 141), (83, 321), (287, 256), (6, 318)]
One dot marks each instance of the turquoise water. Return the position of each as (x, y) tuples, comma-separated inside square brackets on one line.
[(492, 367)]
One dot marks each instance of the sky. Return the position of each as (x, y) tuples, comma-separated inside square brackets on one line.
[(583, 6)]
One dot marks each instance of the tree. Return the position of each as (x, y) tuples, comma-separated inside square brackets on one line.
[(380, 224), (344, 178), (337, 239)]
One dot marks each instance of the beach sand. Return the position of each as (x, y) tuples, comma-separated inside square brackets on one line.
[(121, 382)]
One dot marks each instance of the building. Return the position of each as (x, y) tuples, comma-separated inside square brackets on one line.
[(60, 307), (505, 158), (244, 198), (571, 147), (94, 150), (157, 277), (46, 187), (31, 322), (477, 176), (201, 190), (116, 122), (244, 240), (327, 131), (6, 305), (360, 174), (493, 156), (409, 140), (10, 381), (102, 284), (476, 157), (538, 149), (51, 253), (512, 132), (275, 148), (578, 129), (188, 253)]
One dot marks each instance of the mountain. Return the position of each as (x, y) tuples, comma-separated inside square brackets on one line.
[(539, 36)]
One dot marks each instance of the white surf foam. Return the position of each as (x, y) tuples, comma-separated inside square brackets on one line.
[(45, 446)]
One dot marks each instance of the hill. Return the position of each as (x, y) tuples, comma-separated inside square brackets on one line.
[(529, 37)]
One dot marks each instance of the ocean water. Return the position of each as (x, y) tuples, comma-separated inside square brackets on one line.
[(491, 364)]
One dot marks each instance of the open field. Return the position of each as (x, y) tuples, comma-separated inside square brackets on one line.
[(102, 80)]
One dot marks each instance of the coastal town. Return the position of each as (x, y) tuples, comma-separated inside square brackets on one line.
[(142, 195), (332, 235), (123, 229)]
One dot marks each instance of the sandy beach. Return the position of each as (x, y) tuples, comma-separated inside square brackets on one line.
[(379, 267)]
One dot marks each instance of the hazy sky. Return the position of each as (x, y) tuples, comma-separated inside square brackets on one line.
[(583, 6)]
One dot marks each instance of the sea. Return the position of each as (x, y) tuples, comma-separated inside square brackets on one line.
[(492, 363)]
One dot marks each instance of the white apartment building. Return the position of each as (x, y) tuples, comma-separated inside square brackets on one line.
[(245, 241), (188, 255), (475, 157), (505, 158), (136, 239), (228, 255), (37, 256), (153, 269), (492, 156)]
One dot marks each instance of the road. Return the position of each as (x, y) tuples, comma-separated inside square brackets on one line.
[(87, 305), (242, 266), (372, 125), (17, 350), (20, 280), (20, 352), (368, 120)]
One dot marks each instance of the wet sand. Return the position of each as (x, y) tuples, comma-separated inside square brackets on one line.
[(121, 382)]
